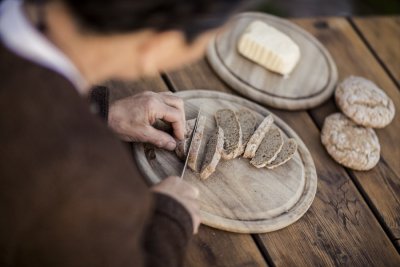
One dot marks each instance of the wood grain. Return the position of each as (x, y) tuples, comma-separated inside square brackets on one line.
[(239, 197), (382, 184), (383, 36), (311, 82), (339, 229), (212, 247), (208, 247)]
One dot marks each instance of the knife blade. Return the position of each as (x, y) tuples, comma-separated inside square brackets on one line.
[(190, 145)]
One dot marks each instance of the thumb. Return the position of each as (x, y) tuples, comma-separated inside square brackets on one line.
[(159, 138)]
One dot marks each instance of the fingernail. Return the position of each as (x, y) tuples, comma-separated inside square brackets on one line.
[(171, 145)]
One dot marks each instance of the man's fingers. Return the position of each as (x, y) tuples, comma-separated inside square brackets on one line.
[(174, 116), (175, 102), (159, 138)]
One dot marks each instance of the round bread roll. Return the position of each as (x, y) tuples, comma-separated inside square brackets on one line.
[(351, 145), (364, 102)]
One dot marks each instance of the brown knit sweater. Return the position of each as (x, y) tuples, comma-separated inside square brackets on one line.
[(70, 194)]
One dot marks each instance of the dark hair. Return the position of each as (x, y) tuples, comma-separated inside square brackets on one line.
[(117, 16)]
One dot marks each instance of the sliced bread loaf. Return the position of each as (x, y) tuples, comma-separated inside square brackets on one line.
[(193, 153), (269, 148), (182, 146), (248, 123), (257, 137), (227, 120), (288, 150), (213, 153)]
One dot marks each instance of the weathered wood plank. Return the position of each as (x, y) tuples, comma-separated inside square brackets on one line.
[(339, 228), (209, 247), (213, 247), (382, 184), (383, 36)]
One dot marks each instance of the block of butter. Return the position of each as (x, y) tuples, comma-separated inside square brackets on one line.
[(269, 48)]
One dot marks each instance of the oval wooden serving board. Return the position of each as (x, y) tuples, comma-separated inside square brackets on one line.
[(239, 197), (310, 83)]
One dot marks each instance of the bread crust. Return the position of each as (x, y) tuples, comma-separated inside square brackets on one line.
[(257, 137), (193, 153), (183, 145), (287, 152), (268, 153), (248, 124), (231, 149), (209, 167)]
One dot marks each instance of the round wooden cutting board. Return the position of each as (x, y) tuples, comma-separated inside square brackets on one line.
[(310, 83), (239, 197)]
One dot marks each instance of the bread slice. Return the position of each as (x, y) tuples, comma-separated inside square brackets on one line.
[(213, 153), (227, 120), (269, 148), (288, 150), (193, 153), (182, 146), (248, 123), (258, 136)]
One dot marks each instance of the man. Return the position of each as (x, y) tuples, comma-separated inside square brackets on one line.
[(70, 195)]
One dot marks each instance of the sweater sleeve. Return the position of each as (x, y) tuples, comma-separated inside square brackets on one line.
[(168, 233), (99, 99)]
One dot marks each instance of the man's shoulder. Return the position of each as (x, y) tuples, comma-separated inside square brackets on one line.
[(27, 76)]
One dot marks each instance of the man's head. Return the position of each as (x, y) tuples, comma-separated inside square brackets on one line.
[(122, 16), (164, 34)]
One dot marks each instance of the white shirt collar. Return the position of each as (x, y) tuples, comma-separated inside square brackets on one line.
[(18, 34)]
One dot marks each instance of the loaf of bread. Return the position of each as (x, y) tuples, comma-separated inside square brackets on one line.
[(227, 120), (213, 153), (266, 146), (268, 47)]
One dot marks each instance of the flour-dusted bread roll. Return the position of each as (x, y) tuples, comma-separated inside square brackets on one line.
[(213, 153), (193, 153), (182, 146), (257, 137), (351, 145), (269, 48), (227, 120), (269, 148), (364, 102)]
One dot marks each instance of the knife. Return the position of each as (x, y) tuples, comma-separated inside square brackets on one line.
[(190, 144)]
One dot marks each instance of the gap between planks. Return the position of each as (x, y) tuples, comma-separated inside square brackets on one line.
[(168, 82), (372, 50), (263, 249)]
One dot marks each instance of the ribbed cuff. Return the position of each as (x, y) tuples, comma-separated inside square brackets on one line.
[(175, 211)]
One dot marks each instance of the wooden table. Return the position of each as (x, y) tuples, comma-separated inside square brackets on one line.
[(355, 217)]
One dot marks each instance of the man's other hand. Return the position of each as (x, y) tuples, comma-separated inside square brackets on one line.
[(132, 118)]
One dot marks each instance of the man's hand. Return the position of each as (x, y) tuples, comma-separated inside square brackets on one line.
[(184, 193), (132, 118)]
